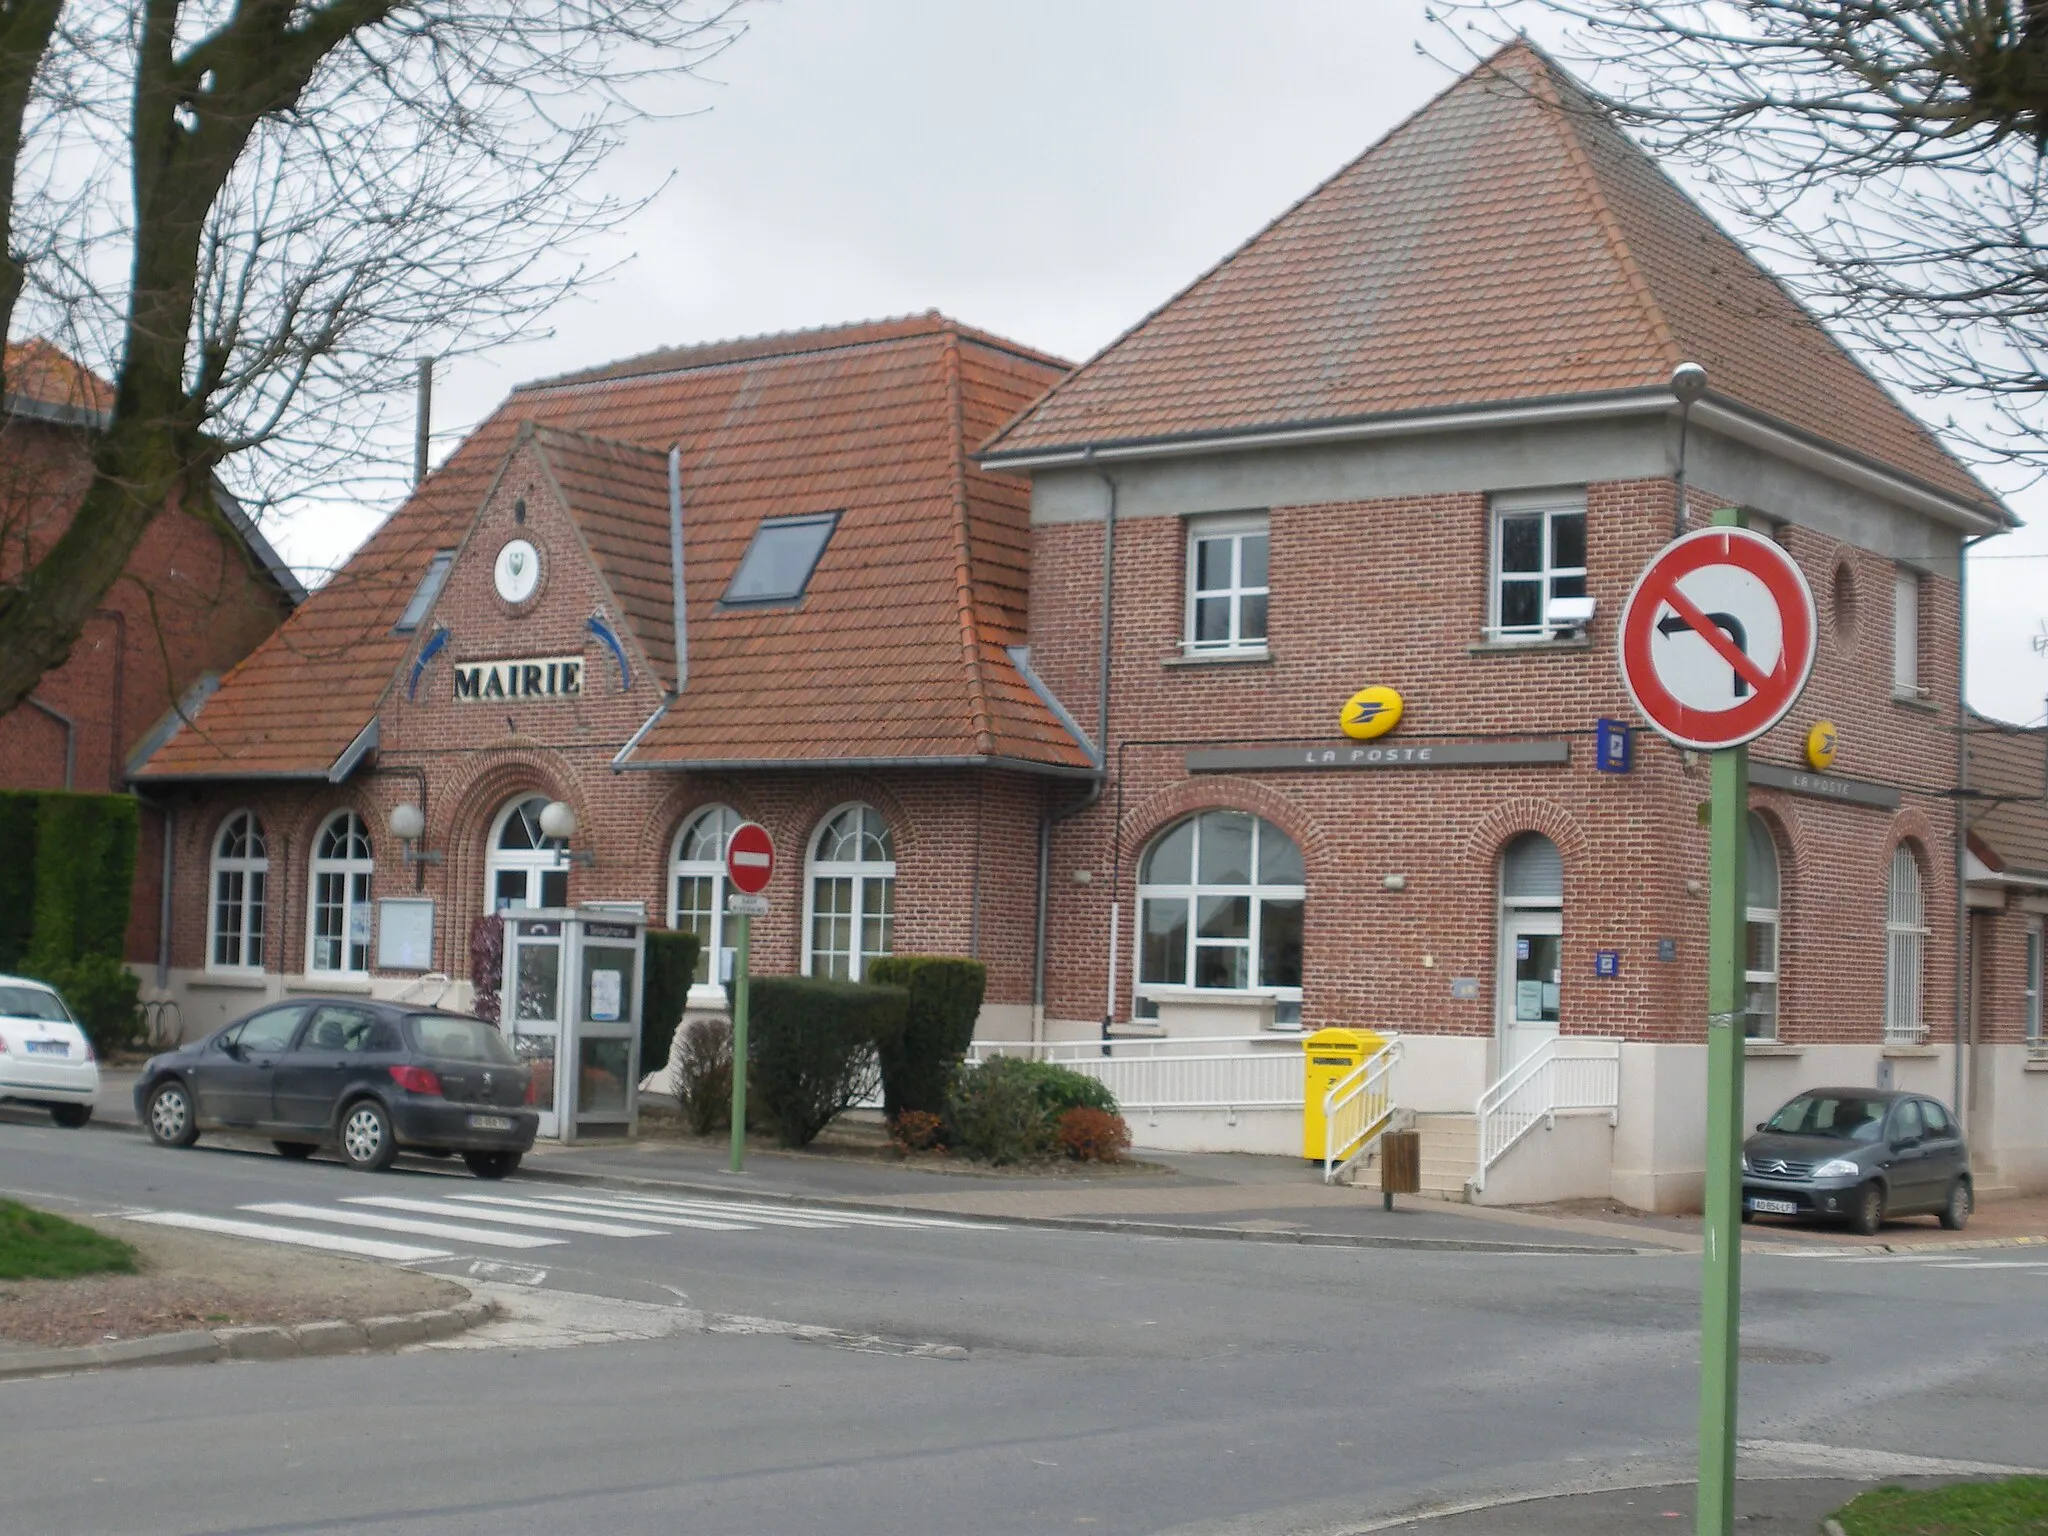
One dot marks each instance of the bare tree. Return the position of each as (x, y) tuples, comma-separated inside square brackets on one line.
[(1889, 153), (254, 215)]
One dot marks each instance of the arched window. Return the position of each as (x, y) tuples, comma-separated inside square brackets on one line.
[(241, 866), (1905, 932), (524, 868), (1220, 899), (339, 939), (1760, 960), (850, 886), (696, 884)]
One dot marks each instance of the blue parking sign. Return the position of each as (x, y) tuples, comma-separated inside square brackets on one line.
[(1614, 746)]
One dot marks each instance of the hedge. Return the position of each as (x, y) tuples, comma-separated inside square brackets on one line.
[(17, 875), (67, 874), (945, 999), (665, 987), (811, 1048)]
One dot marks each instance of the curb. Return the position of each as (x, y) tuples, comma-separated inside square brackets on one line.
[(1089, 1223), (201, 1347), (1863, 1250)]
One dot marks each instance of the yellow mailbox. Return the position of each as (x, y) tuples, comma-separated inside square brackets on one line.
[(1328, 1057)]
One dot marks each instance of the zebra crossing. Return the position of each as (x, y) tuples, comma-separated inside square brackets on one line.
[(400, 1228), (1936, 1259)]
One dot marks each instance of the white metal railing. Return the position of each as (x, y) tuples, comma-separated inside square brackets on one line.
[(1567, 1074), (1176, 1072), (1357, 1110)]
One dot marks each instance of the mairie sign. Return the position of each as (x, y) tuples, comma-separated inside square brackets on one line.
[(536, 677)]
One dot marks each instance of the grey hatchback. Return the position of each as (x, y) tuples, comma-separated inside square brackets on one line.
[(1859, 1155)]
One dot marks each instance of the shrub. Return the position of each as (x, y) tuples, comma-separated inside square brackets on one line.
[(1060, 1089), (17, 876), (85, 876), (916, 1130), (1091, 1136), (995, 1113), (703, 1075), (945, 999), (101, 992), (669, 968), (486, 963), (812, 1048)]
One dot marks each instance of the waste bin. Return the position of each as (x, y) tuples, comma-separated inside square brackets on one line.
[(1328, 1057)]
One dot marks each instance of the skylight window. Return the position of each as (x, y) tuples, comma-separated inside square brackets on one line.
[(778, 563), (423, 595)]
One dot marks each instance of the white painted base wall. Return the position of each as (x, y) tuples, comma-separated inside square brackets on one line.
[(206, 1000)]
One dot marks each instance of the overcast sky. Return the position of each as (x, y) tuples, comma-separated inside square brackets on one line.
[(1049, 171)]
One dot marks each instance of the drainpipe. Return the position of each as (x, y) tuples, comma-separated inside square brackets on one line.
[(1102, 739), (1962, 831), (678, 598)]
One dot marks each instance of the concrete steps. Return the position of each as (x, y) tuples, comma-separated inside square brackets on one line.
[(1450, 1153)]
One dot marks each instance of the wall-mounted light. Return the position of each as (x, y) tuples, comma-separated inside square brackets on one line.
[(558, 821), (1394, 883), (408, 823)]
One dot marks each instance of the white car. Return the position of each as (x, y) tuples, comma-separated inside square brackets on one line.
[(45, 1058)]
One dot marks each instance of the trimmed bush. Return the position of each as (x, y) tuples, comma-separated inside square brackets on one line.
[(945, 999), (703, 1076), (101, 992), (17, 876), (85, 874), (1090, 1136), (671, 962), (812, 1047), (994, 1113)]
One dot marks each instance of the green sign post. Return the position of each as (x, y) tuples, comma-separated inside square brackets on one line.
[(1717, 639), (739, 1041)]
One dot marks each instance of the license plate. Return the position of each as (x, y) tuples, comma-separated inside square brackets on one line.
[(48, 1048), (1774, 1207), (489, 1123)]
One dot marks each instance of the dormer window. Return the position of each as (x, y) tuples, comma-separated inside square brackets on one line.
[(778, 563), (422, 602), (1539, 557)]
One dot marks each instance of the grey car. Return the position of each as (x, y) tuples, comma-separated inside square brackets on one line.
[(1858, 1155)]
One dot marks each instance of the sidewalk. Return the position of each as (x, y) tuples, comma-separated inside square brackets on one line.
[(1790, 1505)]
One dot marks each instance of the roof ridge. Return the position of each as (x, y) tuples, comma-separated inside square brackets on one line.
[(963, 569), (1552, 99), (541, 429)]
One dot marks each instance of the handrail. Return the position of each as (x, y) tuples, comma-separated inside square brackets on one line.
[(1150, 1074), (1565, 1074), (1357, 1110)]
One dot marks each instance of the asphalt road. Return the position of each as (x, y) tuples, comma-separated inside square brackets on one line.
[(983, 1379)]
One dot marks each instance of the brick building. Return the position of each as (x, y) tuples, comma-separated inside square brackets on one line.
[(202, 590), (1375, 446)]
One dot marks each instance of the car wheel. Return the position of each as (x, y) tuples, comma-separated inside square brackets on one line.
[(1956, 1214), (491, 1165), (1868, 1213), (366, 1139), (171, 1118), (71, 1116), (297, 1151)]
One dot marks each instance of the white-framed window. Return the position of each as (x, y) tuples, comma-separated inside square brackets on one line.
[(2035, 1037), (1539, 553), (1220, 901), (1906, 633), (1228, 586), (524, 867), (849, 894), (696, 884), (339, 912), (1760, 957), (1905, 949), (240, 870)]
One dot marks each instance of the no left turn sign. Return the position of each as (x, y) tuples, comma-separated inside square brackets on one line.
[(1717, 638)]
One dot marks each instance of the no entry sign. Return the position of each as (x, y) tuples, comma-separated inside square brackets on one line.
[(750, 858), (1717, 638)]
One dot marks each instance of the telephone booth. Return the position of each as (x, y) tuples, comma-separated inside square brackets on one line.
[(570, 1008)]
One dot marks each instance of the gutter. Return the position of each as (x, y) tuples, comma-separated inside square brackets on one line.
[(803, 764)]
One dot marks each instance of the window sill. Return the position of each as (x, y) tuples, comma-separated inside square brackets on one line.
[(1910, 1052), (339, 982), (1219, 659), (246, 981), (1771, 1048), (1915, 701), (2036, 1064), (1137, 1029), (1524, 647)]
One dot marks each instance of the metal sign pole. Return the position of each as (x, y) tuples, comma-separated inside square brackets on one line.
[(741, 965), (1721, 1275)]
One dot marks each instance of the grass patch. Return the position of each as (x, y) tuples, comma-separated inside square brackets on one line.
[(34, 1245), (2016, 1507)]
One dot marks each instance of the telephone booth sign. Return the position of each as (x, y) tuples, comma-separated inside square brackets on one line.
[(571, 1012)]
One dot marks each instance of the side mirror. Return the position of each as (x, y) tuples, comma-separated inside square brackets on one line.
[(1761, 1124)]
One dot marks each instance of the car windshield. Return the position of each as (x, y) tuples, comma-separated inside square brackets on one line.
[(32, 1003), (1840, 1117), (453, 1039)]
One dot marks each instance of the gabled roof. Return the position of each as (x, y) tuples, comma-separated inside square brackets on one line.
[(1507, 243), (897, 652), (2008, 770)]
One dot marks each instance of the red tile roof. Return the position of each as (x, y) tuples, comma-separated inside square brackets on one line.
[(1506, 243), (37, 371), (896, 652)]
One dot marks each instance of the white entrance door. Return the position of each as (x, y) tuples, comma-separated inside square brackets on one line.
[(1531, 976)]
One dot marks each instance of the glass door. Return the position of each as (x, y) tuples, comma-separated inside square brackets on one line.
[(1531, 980), (533, 1009)]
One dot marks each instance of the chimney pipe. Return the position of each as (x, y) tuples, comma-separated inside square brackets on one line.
[(423, 419)]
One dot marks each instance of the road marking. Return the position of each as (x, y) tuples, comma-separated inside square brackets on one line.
[(734, 1218), (744, 1210), (483, 1236), (333, 1242), (573, 1206), (510, 1218)]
